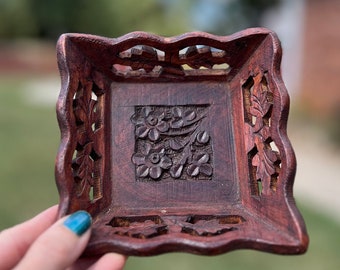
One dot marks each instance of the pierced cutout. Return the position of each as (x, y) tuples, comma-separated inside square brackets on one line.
[(86, 161), (155, 146), (147, 61), (155, 226), (263, 155)]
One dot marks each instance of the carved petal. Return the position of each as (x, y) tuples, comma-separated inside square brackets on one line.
[(146, 148), (146, 111), (153, 134), (178, 123), (177, 112), (193, 170), (142, 171), (206, 169), (165, 162), (203, 137), (201, 158), (176, 144), (137, 120), (176, 171), (155, 172), (142, 131), (162, 126), (138, 159), (189, 115)]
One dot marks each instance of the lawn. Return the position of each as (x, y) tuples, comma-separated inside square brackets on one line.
[(28, 143), (29, 139)]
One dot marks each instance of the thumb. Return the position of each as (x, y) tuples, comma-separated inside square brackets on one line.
[(60, 245)]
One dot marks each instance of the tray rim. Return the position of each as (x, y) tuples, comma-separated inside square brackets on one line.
[(294, 246)]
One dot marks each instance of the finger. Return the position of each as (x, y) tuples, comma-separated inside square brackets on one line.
[(15, 241), (60, 245), (112, 261)]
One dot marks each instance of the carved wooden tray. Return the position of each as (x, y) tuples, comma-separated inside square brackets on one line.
[(177, 144)]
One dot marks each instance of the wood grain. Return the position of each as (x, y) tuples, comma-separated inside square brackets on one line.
[(177, 144)]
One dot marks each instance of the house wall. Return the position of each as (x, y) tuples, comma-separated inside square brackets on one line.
[(320, 85)]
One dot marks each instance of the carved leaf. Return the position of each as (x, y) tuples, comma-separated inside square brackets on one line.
[(201, 158), (203, 57), (145, 58), (203, 137), (162, 126), (177, 144), (177, 112), (83, 167), (206, 169), (175, 224), (206, 227), (177, 123), (146, 229), (193, 170), (264, 161), (260, 106), (176, 171), (172, 130), (189, 115), (181, 224)]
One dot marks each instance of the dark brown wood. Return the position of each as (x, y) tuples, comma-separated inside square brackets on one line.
[(177, 144)]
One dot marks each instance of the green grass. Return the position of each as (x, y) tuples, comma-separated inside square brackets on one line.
[(29, 137), (28, 143), (323, 253)]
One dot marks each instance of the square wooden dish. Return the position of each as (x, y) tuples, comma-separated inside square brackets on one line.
[(177, 144)]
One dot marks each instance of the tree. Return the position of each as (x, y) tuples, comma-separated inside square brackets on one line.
[(50, 18)]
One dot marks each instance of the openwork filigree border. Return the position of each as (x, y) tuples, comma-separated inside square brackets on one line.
[(263, 156)]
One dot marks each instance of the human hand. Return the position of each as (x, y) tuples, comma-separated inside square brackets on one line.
[(42, 243)]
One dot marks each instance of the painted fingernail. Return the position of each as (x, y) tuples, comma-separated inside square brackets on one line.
[(79, 222)]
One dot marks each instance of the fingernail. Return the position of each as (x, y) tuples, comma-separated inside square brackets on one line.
[(79, 222)]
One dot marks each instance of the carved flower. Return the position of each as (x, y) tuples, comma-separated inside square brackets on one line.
[(149, 124), (199, 165), (151, 162), (181, 117)]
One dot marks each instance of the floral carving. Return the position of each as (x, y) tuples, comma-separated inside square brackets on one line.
[(199, 165), (153, 226), (171, 143), (145, 60), (140, 229), (149, 124), (151, 162), (264, 161), (87, 161)]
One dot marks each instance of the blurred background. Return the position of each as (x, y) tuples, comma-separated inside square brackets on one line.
[(29, 86)]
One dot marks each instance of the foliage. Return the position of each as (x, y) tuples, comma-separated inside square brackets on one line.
[(50, 18)]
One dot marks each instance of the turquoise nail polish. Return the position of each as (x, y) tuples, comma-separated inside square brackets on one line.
[(78, 222)]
